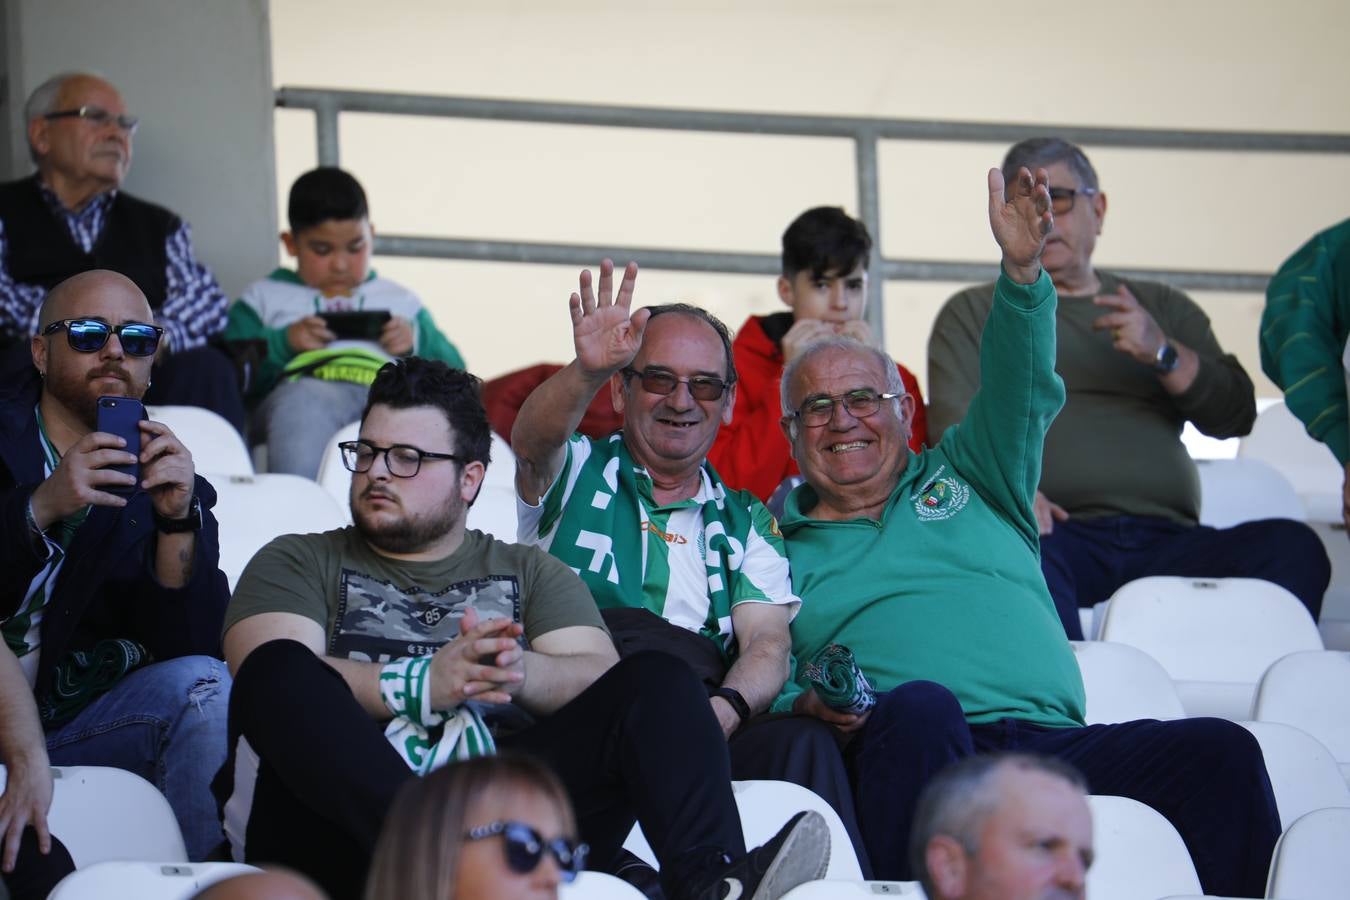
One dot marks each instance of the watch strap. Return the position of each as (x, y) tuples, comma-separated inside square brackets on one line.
[(191, 522), (733, 696)]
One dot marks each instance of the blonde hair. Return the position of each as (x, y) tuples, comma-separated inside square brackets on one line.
[(417, 855)]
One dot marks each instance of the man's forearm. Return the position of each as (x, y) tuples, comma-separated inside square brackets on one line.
[(553, 681), (174, 556), (549, 416), (760, 672), (22, 741)]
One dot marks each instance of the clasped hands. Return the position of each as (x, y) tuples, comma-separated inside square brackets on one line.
[(485, 663)]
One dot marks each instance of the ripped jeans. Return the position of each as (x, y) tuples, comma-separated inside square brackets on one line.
[(165, 722)]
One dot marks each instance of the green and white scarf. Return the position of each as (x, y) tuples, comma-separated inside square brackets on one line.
[(605, 530), (426, 738)]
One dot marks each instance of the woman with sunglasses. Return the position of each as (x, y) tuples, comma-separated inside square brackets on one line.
[(490, 828)]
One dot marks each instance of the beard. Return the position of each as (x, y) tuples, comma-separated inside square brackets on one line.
[(408, 533), (77, 393)]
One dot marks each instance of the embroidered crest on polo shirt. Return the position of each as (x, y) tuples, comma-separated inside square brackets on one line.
[(940, 498)]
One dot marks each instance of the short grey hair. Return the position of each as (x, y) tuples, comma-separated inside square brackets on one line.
[(894, 383), (43, 99), (958, 800), (1035, 153)]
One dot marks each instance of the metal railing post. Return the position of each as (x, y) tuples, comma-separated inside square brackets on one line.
[(326, 131), (869, 210)]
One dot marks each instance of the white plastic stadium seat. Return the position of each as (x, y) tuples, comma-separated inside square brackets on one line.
[(1233, 491), (144, 880), (254, 509), (1302, 770), (216, 448), (1310, 691), (1311, 859), (764, 807), (333, 475), (598, 886), (92, 807), (1279, 438), (1138, 853), (1124, 683), (829, 889), (1214, 637)]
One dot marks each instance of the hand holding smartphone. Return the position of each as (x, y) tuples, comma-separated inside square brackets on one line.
[(122, 416)]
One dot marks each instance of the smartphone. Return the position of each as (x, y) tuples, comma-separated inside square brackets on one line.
[(121, 416), (357, 325)]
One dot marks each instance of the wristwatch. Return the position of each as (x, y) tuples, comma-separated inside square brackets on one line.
[(733, 696), (191, 522), (1167, 358)]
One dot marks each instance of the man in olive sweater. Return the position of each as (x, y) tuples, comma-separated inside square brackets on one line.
[(1119, 498), (926, 567)]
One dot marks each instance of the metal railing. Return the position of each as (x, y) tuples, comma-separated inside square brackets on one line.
[(864, 132)]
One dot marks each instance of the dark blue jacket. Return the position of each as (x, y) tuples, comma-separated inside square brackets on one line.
[(107, 587)]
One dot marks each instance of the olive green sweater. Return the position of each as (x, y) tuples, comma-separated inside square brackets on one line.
[(1115, 449), (947, 586)]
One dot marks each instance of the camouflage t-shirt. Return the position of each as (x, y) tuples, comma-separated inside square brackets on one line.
[(374, 609)]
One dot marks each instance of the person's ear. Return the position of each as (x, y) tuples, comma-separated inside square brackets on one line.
[(38, 348), (785, 292), (616, 392), (948, 867), (471, 480), (907, 408), (1099, 209), (38, 137), (291, 245), (729, 403), (788, 425)]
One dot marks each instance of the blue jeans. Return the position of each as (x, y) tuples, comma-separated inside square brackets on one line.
[(1206, 776), (165, 722), (1086, 560), (298, 418)]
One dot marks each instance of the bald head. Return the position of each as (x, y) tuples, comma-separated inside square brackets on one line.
[(263, 886), (87, 293)]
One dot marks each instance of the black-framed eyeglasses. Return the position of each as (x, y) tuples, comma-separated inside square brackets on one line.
[(525, 848), (402, 460), (89, 335), (1061, 199), (860, 404), (98, 116), (659, 381)]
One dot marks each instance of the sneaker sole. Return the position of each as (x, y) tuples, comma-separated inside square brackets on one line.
[(804, 856)]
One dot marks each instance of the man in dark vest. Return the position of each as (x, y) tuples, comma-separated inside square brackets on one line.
[(70, 217)]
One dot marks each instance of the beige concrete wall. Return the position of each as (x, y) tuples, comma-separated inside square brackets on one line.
[(1228, 64)]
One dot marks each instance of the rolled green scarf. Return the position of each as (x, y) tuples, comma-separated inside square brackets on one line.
[(839, 682)]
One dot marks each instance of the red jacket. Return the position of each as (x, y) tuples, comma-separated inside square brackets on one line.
[(751, 453)]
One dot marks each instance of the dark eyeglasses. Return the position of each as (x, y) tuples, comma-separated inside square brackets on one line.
[(1061, 199), (525, 848), (659, 381), (860, 404), (89, 335), (402, 460), (99, 116)]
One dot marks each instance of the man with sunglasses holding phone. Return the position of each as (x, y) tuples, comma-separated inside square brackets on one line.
[(1119, 497), (112, 597), (72, 216), (675, 559)]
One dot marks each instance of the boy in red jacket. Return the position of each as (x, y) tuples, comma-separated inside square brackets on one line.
[(824, 284)]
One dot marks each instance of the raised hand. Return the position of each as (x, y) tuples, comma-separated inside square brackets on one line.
[(1020, 221), (606, 336)]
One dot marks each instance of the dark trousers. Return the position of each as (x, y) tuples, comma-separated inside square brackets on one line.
[(804, 751), (1086, 560), (35, 874), (640, 744), (1206, 776)]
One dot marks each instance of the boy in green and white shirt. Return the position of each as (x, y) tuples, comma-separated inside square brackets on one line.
[(312, 383)]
